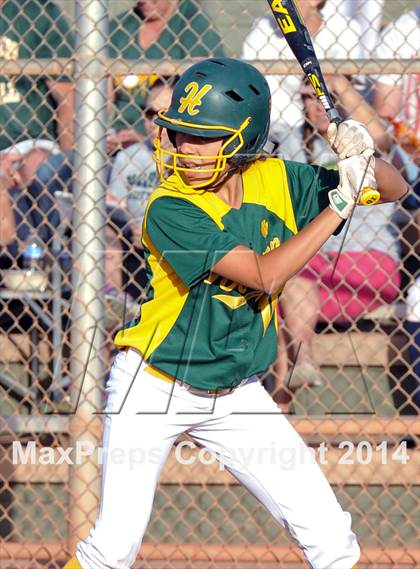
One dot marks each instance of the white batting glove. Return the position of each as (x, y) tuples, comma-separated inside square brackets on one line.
[(353, 178), (350, 138)]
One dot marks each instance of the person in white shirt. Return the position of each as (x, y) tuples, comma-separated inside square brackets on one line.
[(367, 14), (336, 39), (133, 177), (397, 97), (367, 272)]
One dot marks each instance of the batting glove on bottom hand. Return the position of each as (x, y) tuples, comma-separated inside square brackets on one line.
[(349, 138), (356, 173)]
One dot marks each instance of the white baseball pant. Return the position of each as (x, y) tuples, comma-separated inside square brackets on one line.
[(144, 416)]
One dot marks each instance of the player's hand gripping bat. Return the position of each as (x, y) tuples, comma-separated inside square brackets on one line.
[(291, 23)]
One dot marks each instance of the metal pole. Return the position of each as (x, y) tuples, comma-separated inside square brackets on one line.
[(87, 313)]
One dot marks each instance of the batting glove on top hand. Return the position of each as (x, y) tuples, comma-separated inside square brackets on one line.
[(350, 138), (356, 173)]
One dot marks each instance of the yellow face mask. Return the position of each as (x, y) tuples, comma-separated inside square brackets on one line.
[(167, 161)]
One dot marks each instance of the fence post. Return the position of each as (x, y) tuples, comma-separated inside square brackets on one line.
[(87, 313)]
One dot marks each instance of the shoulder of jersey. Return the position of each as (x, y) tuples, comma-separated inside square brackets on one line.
[(170, 187)]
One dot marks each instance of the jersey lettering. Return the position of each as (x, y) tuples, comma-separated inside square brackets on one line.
[(193, 98), (264, 303), (274, 244), (215, 279)]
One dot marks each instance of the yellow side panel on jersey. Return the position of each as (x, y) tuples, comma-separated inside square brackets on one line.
[(157, 320), (265, 183)]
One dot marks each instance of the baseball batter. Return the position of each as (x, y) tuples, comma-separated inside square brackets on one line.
[(222, 234)]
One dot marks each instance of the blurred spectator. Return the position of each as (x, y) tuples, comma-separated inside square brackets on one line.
[(34, 107), (155, 30), (338, 39), (20, 213), (19, 218), (118, 246), (337, 287), (134, 177), (34, 156), (397, 97), (367, 14), (8, 178), (15, 226), (412, 323), (350, 103), (36, 112)]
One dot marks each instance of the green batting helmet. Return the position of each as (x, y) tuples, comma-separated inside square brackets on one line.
[(222, 97)]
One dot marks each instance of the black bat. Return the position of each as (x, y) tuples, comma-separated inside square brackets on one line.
[(295, 32)]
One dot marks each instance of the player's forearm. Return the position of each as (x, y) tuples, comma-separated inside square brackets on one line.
[(280, 265), (270, 272), (387, 100), (65, 122), (64, 97), (7, 218), (391, 184)]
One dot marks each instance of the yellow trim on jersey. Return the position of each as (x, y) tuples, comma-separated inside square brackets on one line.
[(73, 564), (265, 184), (159, 373), (209, 202)]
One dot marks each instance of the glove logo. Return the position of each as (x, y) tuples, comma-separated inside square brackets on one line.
[(338, 200), (193, 98)]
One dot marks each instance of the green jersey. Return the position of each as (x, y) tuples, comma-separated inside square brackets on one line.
[(29, 29), (196, 326), (188, 33)]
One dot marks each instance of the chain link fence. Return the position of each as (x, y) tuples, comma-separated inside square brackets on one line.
[(80, 85)]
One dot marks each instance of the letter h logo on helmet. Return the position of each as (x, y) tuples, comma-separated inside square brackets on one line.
[(193, 98)]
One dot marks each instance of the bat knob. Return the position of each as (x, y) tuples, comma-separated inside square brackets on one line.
[(369, 196)]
